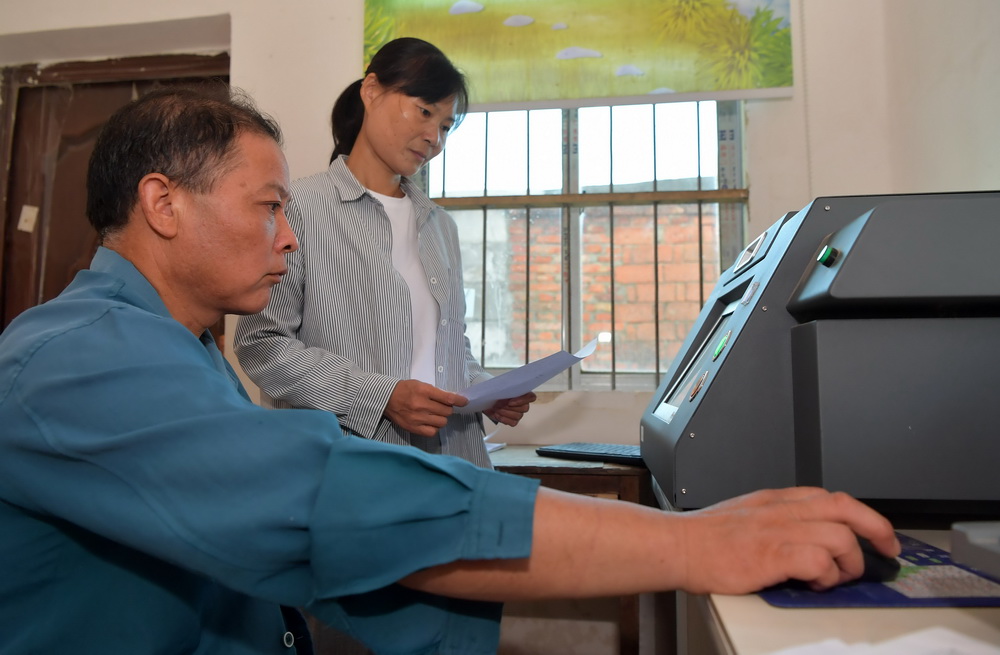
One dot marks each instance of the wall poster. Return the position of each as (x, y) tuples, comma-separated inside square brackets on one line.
[(578, 52)]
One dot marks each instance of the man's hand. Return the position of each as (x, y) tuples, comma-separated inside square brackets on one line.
[(585, 547), (421, 408), (510, 411), (766, 537)]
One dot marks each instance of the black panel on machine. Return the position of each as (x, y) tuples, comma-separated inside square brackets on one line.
[(850, 346)]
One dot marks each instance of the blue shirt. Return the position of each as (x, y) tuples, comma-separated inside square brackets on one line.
[(148, 506)]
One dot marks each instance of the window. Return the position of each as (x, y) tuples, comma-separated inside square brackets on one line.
[(598, 222)]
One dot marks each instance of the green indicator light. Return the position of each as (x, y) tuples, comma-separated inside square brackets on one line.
[(828, 255), (722, 345)]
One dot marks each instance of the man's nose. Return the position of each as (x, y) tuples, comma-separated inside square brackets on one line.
[(285, 239)]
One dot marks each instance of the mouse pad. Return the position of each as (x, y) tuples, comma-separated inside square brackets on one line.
[(927, 578)]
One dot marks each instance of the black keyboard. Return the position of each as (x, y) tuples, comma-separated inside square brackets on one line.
[(596, 452)]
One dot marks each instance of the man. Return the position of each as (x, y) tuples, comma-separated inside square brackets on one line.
[(148, 506)]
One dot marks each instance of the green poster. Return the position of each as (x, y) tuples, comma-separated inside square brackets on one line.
[(571, 50)]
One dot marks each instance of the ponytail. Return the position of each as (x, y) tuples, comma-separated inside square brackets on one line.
[(348, 114)]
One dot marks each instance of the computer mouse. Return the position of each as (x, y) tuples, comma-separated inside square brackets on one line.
[(878, 567)]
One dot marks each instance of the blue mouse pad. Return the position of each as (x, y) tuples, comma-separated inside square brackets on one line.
[(927, 578)]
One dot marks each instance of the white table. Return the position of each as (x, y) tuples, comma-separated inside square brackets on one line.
[(747, 625)]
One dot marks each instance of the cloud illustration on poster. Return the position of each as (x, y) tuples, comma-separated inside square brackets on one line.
[(629, 69), (577, 53), (519, 21), (465, 7)]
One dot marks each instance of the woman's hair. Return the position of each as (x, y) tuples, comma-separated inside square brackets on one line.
[(410, 66)]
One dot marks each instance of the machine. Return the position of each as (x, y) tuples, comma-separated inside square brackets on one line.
[(854, 345)]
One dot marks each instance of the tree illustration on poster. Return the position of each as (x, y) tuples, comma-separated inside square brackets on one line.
[(566, 52)]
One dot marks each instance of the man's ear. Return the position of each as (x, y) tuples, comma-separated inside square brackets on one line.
[(157, 196)]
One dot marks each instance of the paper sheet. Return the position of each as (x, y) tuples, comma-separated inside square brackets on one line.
[(521, 380), (493, 445), (931, 641)]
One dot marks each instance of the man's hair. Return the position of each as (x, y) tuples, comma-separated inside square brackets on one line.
[(188, 135)]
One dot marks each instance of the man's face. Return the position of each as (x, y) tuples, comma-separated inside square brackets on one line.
[(235, 237)]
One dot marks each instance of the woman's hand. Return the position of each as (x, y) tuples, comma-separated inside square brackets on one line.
[(510, 411), (421, 408)]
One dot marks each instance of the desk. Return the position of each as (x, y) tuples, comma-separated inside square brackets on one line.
[(618, 481), (746, 625), (629, 483)]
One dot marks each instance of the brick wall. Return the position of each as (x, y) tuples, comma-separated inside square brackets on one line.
[(527, 254)]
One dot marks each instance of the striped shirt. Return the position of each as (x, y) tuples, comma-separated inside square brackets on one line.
[(337, 334)]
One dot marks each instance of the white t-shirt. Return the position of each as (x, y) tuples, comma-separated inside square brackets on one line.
[(406, 261)]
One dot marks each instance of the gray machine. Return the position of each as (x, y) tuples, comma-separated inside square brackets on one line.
[(977, 544), (855, 345)]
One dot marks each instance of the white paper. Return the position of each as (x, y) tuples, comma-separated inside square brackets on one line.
[(521, 380), (935, 641), (930, 641), (493, 445), (828, 647)]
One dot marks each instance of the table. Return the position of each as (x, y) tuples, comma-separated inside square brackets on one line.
[(746, 625), (605, 480)]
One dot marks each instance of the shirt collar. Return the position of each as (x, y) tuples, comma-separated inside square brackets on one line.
[(350, 189), (134, 288), (134, 285)]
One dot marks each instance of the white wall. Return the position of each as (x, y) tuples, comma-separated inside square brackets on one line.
[(294, 57), (892, 96), (946, 69)]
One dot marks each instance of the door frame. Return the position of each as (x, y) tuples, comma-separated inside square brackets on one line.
[(15, 78)]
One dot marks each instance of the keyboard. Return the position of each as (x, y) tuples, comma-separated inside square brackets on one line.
[(595, 452)]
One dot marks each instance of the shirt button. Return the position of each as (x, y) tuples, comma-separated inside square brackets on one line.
[(440, 369), (444, 321), (434, 280), (289, 639)]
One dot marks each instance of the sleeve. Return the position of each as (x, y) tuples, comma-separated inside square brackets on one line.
[(307, 376), (152, 446), (428, 625), (476, 372)]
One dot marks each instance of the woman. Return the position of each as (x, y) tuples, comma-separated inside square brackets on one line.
[(369, 322)]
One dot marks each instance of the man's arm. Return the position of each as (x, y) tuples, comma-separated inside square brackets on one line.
[(585, 547)]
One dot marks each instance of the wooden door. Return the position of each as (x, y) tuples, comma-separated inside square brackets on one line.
[(53, 118)]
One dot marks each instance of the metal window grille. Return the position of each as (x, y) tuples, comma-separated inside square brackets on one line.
[(625, 257)]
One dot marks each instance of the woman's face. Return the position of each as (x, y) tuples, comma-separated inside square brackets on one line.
[(405, 132)]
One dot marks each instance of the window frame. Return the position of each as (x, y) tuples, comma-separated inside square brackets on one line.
[(570, 203)]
